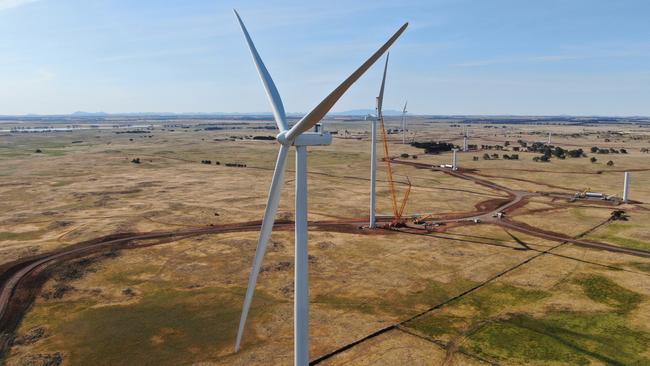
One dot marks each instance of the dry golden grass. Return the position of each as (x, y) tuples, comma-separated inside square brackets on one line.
[(184, 297)]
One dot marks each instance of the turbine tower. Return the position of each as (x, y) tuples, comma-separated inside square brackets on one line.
[(373, 151), (404, 123), (299, 137), (465, 145), (549, 139), (454, 161), (373, 172), (626, 186)]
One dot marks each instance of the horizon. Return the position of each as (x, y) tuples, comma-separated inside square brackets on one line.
[(294, 115), (462, 58)]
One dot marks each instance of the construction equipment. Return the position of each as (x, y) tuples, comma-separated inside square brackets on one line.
[(422, 219), (583, 193), (397, 212)]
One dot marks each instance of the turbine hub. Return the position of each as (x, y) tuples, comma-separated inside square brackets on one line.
[(282, 138)]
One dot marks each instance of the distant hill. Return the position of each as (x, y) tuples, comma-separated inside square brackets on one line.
[(364, 112), (89, 114)]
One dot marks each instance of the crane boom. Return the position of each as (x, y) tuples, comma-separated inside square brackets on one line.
[(397, 212), (389, 168)]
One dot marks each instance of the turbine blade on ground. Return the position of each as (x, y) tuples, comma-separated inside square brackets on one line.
[(265, 233), (323, 107), (380, 100), (271, 91)]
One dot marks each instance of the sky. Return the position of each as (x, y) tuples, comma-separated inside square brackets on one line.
[(461, 57)]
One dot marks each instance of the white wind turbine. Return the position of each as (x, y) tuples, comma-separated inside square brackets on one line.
[(373, 150), (465, 137), (404, 123), (299, 137)]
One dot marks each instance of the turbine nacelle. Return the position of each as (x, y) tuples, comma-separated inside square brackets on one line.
[(306, 139)]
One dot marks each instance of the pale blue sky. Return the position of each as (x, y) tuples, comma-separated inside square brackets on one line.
[(544, 57)]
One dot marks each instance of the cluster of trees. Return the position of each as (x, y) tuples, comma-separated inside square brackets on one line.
[(131, 131), (556, 151), (487, 156), (433, 147), (511, 157), (597, 150), (236, 165), (209, 162), (549, 151), (492, 147), (645, 150), (135, 161), (263, 138)]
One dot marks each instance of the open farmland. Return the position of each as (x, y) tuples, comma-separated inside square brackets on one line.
[(140, 249)]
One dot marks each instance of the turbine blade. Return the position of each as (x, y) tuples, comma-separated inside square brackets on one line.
[(323, 107), (404, 109), (265, 233), (271, 91), (380, 99)]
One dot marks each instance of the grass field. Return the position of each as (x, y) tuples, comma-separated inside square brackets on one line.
[(484, 294)]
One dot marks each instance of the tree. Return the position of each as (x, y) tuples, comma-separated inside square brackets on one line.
[(486, 156), (610, 163), (544, 158), (593, 159), (575, 153), (594, 149), (623, 151)]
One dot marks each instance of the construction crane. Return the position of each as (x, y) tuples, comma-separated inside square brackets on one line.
[(397, 211), (422, 219)]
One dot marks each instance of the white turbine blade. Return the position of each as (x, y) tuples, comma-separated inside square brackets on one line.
[(404, 109), (321, 109), (380, 99), (271, 91), (265, 233)]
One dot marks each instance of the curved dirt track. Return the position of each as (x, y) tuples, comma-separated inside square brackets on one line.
[(22, 279)]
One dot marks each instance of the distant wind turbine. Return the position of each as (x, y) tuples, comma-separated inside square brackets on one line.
[(404, 123), (465, 142), (299, 137)]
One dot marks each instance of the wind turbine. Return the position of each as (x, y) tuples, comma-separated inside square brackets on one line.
[(465, 143), (404, 123), (373, 149), (299, 137)]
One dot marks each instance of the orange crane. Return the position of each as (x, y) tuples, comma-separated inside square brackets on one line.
[(397, 212)]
